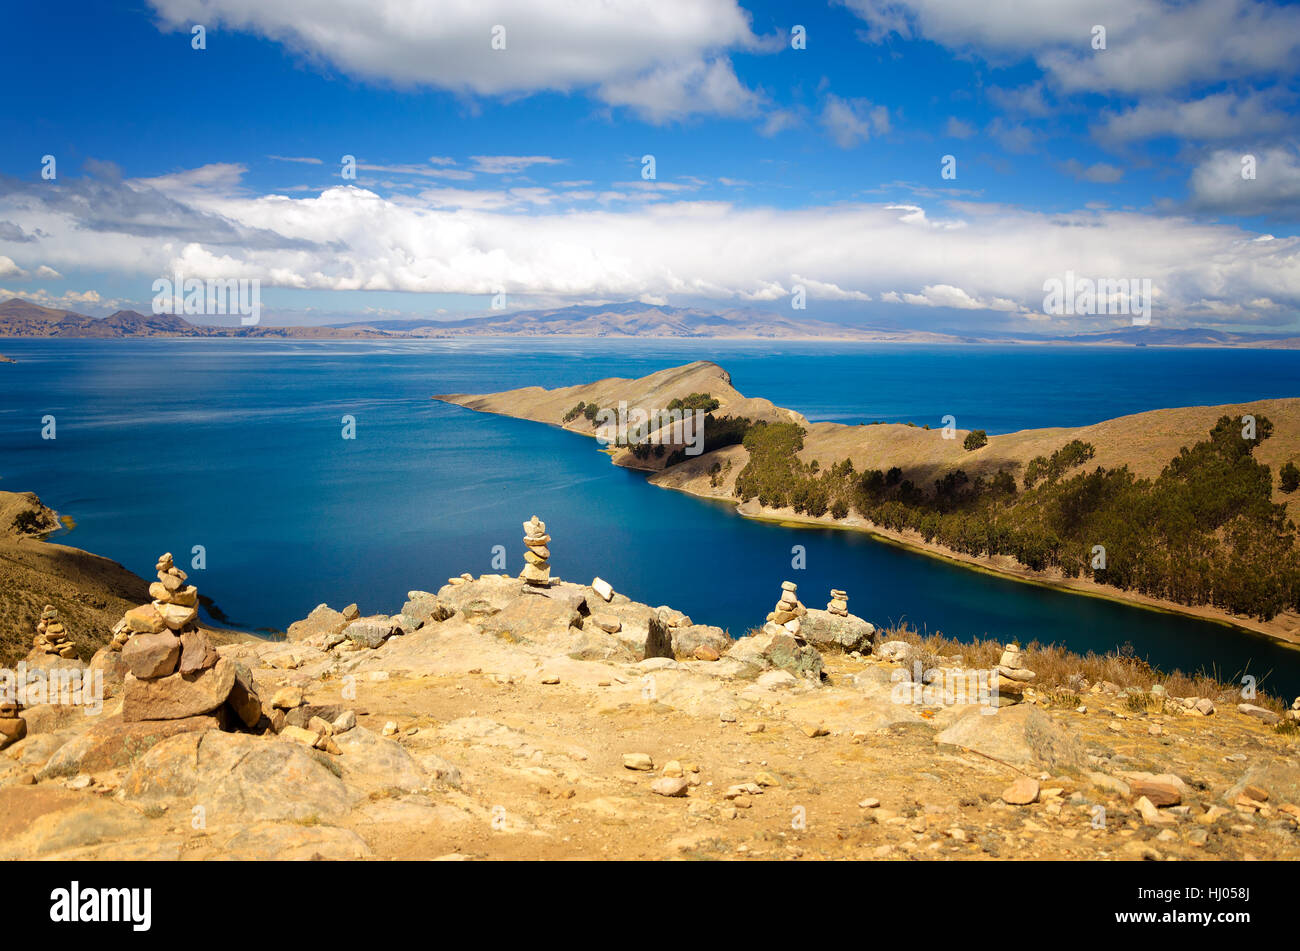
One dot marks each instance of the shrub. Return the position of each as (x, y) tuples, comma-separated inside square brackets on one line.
[(976, 439), (1290, 477)]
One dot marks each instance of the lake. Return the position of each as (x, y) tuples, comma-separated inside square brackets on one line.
[(236, 446)]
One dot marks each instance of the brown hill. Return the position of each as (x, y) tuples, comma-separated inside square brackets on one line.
[(91, 593)]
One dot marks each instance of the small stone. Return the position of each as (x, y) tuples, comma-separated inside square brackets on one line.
[(344, 722), (1150, 814), (390, 729), (670, 786), (639, 761), (814, 730), (869, 803), (602, 588), (1022, 792), (288, 698), (705, 652)]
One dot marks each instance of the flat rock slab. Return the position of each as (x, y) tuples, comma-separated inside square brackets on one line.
[(1020, 736), (113, 743), (237, 778)]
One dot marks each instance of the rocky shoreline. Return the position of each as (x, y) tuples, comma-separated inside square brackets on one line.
[(503, 717), (923, 454)]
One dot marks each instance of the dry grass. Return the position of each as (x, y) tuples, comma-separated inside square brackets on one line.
[(1063, 675)]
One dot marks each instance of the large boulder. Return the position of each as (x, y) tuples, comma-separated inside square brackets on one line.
[(237, 778), (832, 632), (778, 649), (114, 742), (1021, 736), (178, 695)]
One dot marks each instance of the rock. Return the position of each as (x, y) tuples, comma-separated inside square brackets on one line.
[(531, 618), (300, 735), (237, 778), (1204, 706), (670, 786), (148, 656), (1150, 814), (778, 649), (177, 617), (686, 640), (286, 698), (372, 763), (178, 695), (12, 729), (426, 608), (1156, 792), (109, 662), (145, 620), (777, 680), (602, 588), (367, 633), (243, 698), (344, 722), (323, 620), (197, 652), (1259, 713), (608, 623), (1020, 736), (705, 652), (113, 743), (897, 652), (638, 761), (658, 642), (831, 632), (1022, 792)]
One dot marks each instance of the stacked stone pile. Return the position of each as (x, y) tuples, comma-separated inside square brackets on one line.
[(12, 726), (537, 571), (121, 634), (174, 672), (788, 610), (1013, 675), (839, 603), (52, 636)]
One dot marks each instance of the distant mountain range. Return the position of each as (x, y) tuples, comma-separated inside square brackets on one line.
[(20, 318)]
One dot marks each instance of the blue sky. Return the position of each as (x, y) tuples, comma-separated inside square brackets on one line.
[(520, 169)]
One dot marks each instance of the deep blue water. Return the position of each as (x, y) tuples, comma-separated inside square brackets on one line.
[(236, 445)]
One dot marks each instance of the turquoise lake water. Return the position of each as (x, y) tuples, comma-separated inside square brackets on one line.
[(236, 445)]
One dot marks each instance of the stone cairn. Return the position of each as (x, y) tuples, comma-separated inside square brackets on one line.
[(839, 604), (537, 573), (174, 670), (52, 637), (788, 610), (1013, 675), (12, 727)]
